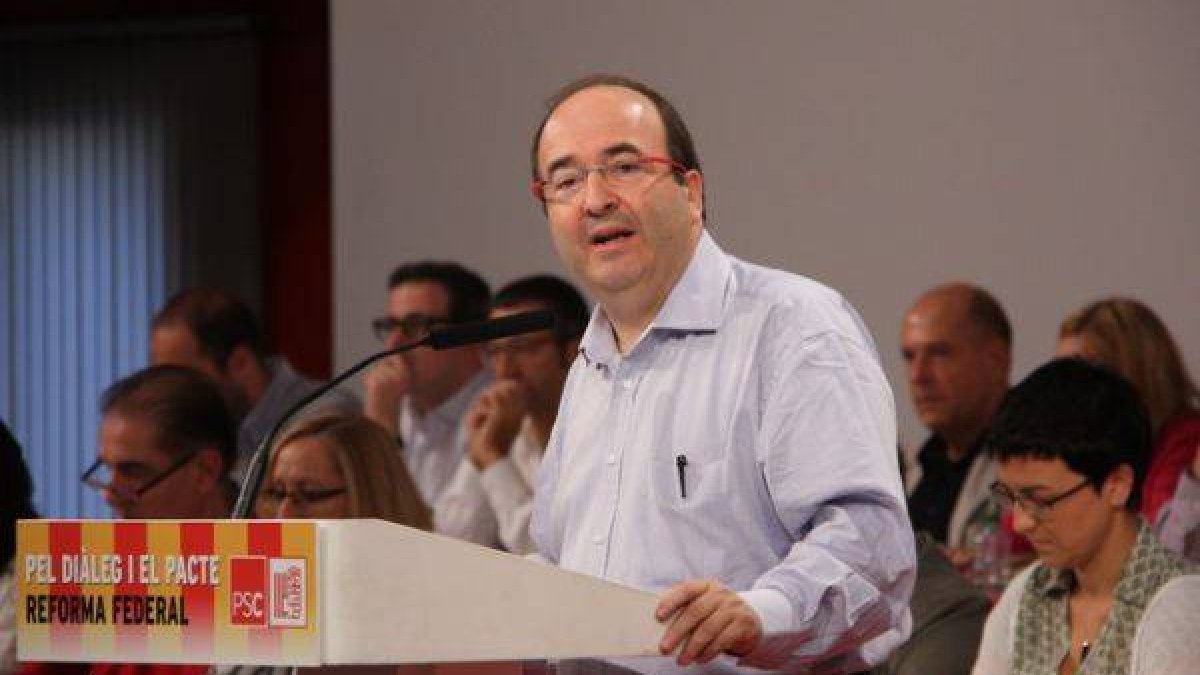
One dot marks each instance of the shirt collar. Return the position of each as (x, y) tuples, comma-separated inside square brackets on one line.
[(934, 452), (1131, 589), (696, 303), (698, 300)]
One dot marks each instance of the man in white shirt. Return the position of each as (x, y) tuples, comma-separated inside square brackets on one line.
[(491, 495), (726, 436), (422, 395)]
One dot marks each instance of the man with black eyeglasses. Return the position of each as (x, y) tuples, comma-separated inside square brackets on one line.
[(422, 396), (166, 444)]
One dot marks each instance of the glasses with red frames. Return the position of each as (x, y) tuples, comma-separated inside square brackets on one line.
[(622, 172)]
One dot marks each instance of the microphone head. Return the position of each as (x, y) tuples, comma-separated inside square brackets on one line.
[(462, 334)]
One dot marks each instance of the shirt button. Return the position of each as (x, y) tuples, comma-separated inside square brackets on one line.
[(610, 459), (598, 540)]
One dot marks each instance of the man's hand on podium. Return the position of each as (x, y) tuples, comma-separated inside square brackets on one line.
[(711, 620)]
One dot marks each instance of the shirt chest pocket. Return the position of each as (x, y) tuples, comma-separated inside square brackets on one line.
[(686, 478)]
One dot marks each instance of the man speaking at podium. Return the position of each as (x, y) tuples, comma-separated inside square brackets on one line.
[(726, 435)]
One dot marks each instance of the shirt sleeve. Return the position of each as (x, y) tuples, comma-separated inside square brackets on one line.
[(995, 649), (828, 449), (462, 511), (511, 500), (1165, 642), (1179, 522)]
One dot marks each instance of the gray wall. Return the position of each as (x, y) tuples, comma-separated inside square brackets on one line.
[(1049, 151)]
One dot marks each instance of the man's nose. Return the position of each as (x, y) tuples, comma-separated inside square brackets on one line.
[(288, 508), (1023, 523), (119, 493), (918, 369), (504, 366), (599, 199)]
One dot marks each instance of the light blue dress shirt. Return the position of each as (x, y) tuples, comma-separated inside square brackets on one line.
[(765, 386)]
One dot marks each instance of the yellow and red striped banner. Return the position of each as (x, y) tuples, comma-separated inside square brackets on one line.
[(168, 591)]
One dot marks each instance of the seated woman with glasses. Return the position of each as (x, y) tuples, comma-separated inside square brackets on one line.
[(340, 466), (1071, 443)]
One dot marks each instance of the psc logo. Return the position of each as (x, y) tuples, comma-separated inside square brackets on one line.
[(268, 592)]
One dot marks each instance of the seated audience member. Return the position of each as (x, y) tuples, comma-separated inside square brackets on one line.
[(490, 498), (1179, 522), (948, 615), (214, 332), (1127, 336), (1071, 444), (957, 342), (16, 502), (340, 466), (422, 396), (166, 445)]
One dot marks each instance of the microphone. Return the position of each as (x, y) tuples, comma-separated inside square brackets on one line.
[(446, 337), (490, 329)]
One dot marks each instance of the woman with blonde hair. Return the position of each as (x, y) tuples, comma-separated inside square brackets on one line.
[(340, 466), (1128, 337)]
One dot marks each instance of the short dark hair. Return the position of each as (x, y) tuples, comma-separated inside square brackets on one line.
[(468, 292), (679, 140), (184, 407), (985, 313), (1082, 413), (560, 297), (218, 320), (16, 494)]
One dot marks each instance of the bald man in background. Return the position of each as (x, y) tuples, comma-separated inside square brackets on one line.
[(957, 343)]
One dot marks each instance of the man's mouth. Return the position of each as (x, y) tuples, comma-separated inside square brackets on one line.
[(925, 401), (609, 235)]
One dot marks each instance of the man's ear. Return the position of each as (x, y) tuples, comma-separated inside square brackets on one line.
[(999, 352), (1118, 487), (567, 351), (694, 182), (1000, 355), (240, 362), (209, 467)]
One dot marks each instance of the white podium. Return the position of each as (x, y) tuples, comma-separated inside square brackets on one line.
[(446, 600), (306, 593)]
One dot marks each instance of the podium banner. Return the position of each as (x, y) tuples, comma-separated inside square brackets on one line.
[(168, 591)]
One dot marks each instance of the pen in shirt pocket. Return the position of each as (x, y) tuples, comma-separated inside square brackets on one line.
[(681, 465)]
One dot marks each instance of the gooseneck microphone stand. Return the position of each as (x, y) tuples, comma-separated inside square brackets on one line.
[(442, 338)]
